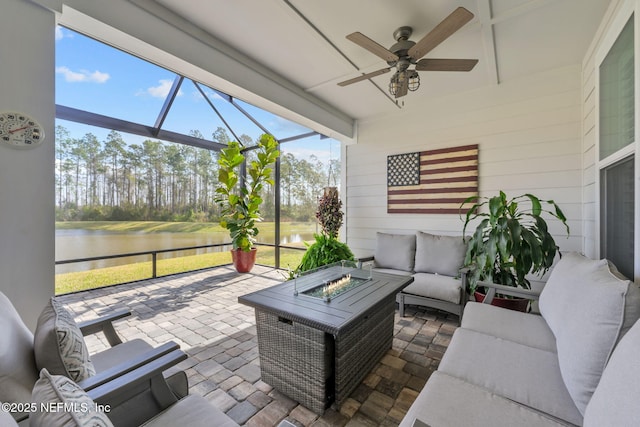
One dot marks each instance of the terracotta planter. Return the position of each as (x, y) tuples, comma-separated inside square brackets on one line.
[(516, 304), (244, 261)]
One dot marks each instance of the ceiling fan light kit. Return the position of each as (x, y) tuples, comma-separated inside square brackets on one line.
[(405, 53)]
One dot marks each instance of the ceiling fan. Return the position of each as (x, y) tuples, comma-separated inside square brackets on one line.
[(405, 53)]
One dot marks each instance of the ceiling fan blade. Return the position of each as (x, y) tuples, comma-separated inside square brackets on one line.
[(364, 77), (428, 64), (449, 25), (373, 47)]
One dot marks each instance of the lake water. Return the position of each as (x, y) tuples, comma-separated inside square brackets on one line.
[(81, 243)]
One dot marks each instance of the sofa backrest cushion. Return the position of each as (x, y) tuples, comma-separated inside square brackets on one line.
[(589, 309), (18, 371), (396, 251), (59, 345), (439, 254), (615, 401)]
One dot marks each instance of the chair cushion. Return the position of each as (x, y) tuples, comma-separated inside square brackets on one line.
[(59, 345), (615, 401), (450, 401), (588, 309), (396, 251), (509, 325), (439, 254), (6, 420), (192, 411), (429, 285), (18, 371), (70, 405), (523, 374)]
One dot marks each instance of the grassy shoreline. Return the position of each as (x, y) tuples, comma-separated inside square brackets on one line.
[(92, 279), (178, 227)]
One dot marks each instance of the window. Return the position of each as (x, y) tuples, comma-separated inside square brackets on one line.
[(617, 214), (616, 151), (137, 143)]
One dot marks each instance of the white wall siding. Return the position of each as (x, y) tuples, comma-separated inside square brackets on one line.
[(529, 135)]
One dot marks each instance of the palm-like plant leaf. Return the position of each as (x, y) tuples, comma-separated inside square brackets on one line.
[(512, 240)]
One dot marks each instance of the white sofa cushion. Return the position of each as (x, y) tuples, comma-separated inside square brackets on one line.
[(59, 345), (615, 401), (588, 309), (6, 420), (396, 251), (439, 254), (76, 407), (523, 374), (450, 401), (444, 288), (18, 371), (509, 325)]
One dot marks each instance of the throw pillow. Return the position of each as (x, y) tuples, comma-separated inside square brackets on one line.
[(396, 251), (439, 254), (61, 402), (59, 345), (588, 309)]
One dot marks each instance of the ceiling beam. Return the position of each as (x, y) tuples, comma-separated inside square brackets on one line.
[(522, 9), (106, 122), (488, 40), (151, 31)]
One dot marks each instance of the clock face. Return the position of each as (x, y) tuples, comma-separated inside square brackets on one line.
[(20, 130)]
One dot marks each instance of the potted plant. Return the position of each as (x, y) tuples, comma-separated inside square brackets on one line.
[(327, 248), (511, 241), (240, 199)]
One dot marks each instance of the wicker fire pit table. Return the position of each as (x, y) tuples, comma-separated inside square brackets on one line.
[(320, 334)]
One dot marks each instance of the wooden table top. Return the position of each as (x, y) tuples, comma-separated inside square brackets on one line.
[(329, 316)]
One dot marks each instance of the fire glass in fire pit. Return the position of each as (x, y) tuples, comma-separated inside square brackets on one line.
[(329, 281), (333, 288)]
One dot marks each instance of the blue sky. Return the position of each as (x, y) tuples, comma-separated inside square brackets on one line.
[(98, 78)]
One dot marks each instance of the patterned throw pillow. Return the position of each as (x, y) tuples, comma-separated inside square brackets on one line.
[(59, 401), (59, 345)]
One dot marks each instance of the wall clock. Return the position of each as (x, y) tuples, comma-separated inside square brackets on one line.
[(19, 130)]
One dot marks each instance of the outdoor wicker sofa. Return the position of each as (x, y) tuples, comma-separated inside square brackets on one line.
[(575, 364)]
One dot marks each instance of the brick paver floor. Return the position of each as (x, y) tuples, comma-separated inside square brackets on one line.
[(200, 311)]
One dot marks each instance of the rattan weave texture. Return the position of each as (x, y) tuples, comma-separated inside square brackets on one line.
[(296, 359)]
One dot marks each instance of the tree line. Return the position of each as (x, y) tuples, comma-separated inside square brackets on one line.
[(112, 180)]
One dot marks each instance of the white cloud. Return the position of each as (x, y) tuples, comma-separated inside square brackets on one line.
[(62, 34), (82, 75), (160, 91)]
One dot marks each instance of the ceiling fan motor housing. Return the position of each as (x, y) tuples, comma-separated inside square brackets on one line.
[(402, 46)]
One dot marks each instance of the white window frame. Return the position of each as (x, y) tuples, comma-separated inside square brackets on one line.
[(627, 10)]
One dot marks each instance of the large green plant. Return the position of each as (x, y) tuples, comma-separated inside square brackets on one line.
[(327, 249), (512, 239), (240, 202)]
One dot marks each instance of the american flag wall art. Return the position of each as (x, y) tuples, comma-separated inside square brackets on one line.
[(433, 181)]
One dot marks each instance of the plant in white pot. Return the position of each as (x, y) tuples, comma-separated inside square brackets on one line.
[(240, 201), (511, 241)]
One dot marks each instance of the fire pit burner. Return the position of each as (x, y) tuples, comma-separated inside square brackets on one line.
[(331, 289)]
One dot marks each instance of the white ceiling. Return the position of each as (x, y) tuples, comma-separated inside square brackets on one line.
[(511, 38)]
